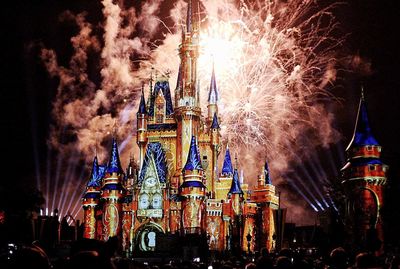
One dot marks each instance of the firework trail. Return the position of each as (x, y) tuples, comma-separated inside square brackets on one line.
[(273, 60)]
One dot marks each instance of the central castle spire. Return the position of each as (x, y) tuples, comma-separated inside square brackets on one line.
[(188, 94), (187, 97)]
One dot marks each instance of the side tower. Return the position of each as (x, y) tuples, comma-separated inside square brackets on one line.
[(225, 180), (111, 193), (235, 198), (235, 194), (364, 178), (215, 135), (264, 196), (128, 218), (193, 192), (188, 111), (91, 201)]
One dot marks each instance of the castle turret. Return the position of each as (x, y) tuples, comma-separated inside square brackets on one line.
[(150, 89), (264, 178), (112, 192), (227, 168), (364, 178), (179, 85), (128, 219), (267, 201), (214, 134), (91, 201), (235, 193), (141, 135), (131, 174), (212, 99), (192, 191)]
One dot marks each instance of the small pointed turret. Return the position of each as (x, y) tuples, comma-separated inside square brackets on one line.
[(150, 88), (142, 105), (215, 124), (267, 177), (193, 160), (114, 165), (213, 92), (179, 86), (95, 180), (227, 169), (212, 99), (95, 169), (235, 187), (362, 135)]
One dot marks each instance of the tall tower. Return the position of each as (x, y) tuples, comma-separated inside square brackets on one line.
[(193, 192), (364, 178), (112, 192), (187, 111)]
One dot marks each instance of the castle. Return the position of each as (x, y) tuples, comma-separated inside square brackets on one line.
[(177, 188)]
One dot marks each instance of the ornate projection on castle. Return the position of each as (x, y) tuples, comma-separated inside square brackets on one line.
[(178, 188)]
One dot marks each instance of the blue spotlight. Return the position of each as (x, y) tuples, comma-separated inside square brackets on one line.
[(302, 194)]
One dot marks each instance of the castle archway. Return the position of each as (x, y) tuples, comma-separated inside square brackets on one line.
[(146, 236)]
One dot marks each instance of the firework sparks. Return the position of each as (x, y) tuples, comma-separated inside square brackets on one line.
[(273, 61)]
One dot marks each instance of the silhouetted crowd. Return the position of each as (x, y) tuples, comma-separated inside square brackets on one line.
[(94, 254)]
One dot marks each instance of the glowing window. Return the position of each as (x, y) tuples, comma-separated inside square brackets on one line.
[(372, 167)]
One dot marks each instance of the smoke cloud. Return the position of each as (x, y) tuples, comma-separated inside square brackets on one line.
[(272, 71)]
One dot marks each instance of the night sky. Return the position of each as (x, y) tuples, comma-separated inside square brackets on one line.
[(27, 90)]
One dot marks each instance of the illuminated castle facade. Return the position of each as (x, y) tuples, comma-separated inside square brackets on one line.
[(177, 187), (364, 178)]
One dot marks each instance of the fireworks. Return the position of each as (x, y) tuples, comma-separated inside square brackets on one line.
[(273, 61)]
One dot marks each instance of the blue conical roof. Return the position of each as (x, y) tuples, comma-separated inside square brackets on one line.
[(227, 168), (142, 106), (163, 86), (213, 92), (235, 187), (215, 124), (266, 174), (114, 165), (95, 176), (362, 132), (193, 160)]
